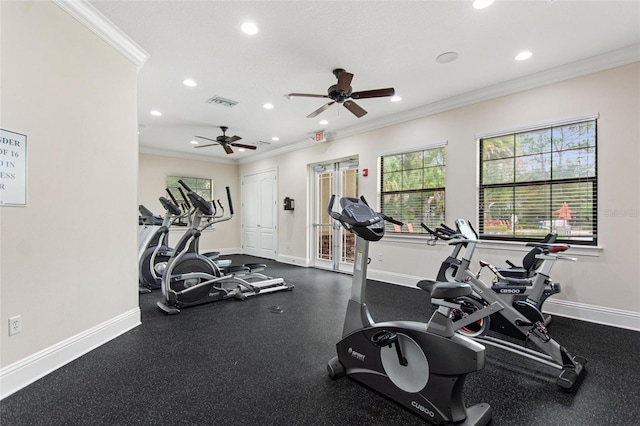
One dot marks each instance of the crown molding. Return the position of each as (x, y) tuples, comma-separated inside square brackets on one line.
[(279, 151), (580, 68), (177, 154), (91, 18)]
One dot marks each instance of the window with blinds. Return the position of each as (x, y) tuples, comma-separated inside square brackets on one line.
[(540, 181), (412, 188), (202, 186)]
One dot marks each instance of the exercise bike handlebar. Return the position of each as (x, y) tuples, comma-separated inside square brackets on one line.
[(445, 233)]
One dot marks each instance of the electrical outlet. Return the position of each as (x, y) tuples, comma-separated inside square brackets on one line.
[(380, 257), (15, 325)]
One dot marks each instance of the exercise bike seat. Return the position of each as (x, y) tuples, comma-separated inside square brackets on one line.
[(445, 290)]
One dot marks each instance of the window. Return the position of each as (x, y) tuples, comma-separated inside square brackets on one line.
[(412, 188), (203, 187), (540, 181)]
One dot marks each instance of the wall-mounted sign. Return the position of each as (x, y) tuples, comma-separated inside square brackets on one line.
[(13, 168)]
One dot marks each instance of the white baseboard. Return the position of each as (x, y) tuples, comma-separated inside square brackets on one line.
[(26, 371), (562, 308), (291, 260), (592, 313), (223, 251)]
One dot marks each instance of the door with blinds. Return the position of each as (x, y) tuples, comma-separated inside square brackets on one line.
[(334, 247)]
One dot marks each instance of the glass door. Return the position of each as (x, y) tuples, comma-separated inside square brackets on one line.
[(334, 247)]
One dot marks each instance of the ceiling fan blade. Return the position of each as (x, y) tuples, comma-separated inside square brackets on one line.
[(319, 110), (239, 145), (202, 137), (378, 93), (354, 108), (233, 139), (204, 146), (307, 95), (227, 148), (344, 81)]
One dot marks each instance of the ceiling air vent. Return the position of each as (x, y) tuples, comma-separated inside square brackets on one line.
[(217, 100)]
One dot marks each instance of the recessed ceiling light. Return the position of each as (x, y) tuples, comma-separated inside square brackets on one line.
[(447, 57), (156, 113), (189, 82), (268, 106), (395, 98), (481, 4), (241, 149), (523, 55), (275, 138), (249, 28), (194, 142), (323, 122)]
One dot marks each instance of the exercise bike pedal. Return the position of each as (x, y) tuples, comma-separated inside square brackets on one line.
[(389, 338)]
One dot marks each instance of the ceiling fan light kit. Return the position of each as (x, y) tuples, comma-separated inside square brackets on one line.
[(342, 93)]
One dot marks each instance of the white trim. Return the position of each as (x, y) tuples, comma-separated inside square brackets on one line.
[(293, 260), (537, 126), (90, 17), (26, 371), (592, 313), (279, 151), (415, 148), (575, 249), (562, 308), (587, 66), (223, 251), (176, 154)]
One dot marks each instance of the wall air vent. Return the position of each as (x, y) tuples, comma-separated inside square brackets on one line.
[(217, 100)]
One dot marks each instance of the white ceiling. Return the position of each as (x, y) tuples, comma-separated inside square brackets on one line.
[(299, 43)]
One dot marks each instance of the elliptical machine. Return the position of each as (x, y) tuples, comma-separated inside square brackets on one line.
[(420, 366), (191, 278)]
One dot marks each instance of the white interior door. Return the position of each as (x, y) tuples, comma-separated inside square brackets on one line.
[(334, 247), (260, 214)]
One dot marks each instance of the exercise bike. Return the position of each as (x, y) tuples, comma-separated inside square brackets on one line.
[(513, 283), (420, 366), (491, 308), (191, 278)]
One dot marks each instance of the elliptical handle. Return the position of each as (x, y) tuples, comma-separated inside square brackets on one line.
[(171, 196), (187, 187), (229, 200), (185, 198)]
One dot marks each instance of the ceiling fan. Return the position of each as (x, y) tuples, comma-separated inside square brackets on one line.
[(342, 93), (226, 141)]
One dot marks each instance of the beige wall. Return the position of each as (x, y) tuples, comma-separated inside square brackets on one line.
[(152, 181), (603, 278), (68, 258)]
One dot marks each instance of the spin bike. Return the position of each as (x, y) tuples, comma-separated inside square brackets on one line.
[(514, 283), (420, 366), (191, 278), (491, 308)]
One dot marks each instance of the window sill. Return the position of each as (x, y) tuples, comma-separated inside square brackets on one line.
[(512, 246)]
